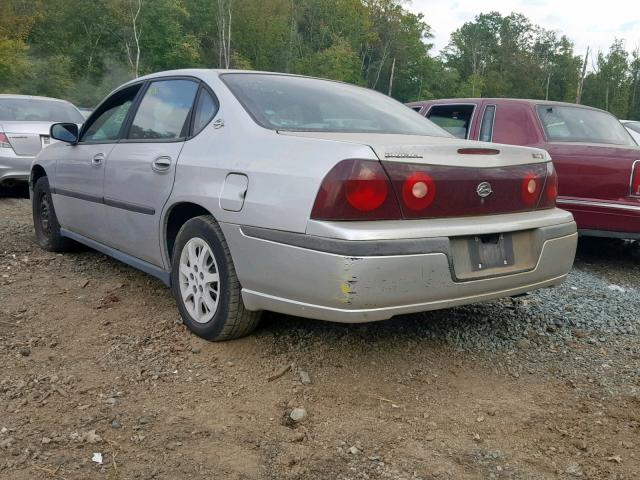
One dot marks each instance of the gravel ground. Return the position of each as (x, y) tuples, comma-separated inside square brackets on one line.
[(541, 386)]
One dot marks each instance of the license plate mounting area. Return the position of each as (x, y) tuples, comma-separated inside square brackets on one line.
[(490, 251)]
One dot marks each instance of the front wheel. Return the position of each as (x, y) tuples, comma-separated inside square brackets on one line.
[(205, 285)]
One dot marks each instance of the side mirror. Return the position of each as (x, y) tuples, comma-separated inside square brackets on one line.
[(65, 132)]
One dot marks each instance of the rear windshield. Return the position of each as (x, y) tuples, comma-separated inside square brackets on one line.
[(576, 124), (288, 103), (38, 110), (635, 126)]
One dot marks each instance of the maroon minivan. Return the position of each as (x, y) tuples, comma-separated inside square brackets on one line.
[(597, 160)]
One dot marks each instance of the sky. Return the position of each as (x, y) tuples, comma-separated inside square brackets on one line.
[(593, 23)]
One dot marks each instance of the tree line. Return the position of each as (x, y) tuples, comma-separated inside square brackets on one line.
[(81, 49)]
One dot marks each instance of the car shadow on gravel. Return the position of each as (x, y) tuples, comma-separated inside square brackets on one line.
[(19, 190), (617, 260), (478, 327)]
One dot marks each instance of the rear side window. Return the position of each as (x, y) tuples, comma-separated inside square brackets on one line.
[(105, 123), (455, 119), (417, 109), (164, 111), (575, 124), (486, 128), (206, 109)]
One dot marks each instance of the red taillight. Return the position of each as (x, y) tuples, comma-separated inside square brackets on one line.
[(4, 141), (356, 190), (418, 191), (635, 179), (550, 188), (389, 190), (367, 189)]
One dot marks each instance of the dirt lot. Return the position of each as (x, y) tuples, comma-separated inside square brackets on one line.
[(94, 360)]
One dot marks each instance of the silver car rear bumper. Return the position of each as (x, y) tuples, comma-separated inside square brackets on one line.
[(350, 281), (14, 167)]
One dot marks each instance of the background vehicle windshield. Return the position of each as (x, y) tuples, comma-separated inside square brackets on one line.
[(635, 126), (38, 110), (575, 124), (282, 102)]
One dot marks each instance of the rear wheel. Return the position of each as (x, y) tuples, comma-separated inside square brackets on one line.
[(205, 285), (45, 221)]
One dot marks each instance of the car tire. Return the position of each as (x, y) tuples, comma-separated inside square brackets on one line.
[(45, 221), (205, 284)]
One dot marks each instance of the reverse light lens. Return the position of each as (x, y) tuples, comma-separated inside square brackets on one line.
[(530, 187), (418, 191)]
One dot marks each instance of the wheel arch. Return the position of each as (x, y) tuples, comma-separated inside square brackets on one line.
[(37, 172), (175, 217)]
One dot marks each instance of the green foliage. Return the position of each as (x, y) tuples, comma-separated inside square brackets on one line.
[(80, 49), (500, 56)]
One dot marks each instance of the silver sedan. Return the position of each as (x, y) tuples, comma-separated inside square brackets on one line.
[(248, 191), (24, 131)]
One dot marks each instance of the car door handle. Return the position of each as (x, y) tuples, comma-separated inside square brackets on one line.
[(161, 164), (96, 161)]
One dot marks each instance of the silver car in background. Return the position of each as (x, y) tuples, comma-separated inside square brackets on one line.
[(249, 191), (633, 127), (24, 131)]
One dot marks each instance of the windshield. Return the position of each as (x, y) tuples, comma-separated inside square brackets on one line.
[(282, 102), (575, 124), (38, 110), (635, 126)]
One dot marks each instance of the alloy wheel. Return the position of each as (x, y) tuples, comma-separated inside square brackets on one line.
[(199, 280)]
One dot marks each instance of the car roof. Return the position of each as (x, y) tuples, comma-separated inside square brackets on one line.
[(199, 72), (30, 97), (501, 100)]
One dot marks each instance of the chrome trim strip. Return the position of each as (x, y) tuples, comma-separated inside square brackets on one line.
[(159, 273), (588, 203)]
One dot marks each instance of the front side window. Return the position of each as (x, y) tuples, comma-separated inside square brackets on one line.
[(164, 111), (301, 104), (38, 110), (455, 119), (206, 109), (105, 124), (575, 124)]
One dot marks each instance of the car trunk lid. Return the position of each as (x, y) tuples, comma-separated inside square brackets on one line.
[(433, 150), (27, 138)]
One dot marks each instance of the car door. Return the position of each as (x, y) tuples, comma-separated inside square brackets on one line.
[(79, 176), (141, 168)]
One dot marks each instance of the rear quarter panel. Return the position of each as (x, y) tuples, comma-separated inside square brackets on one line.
[(284, 172)]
